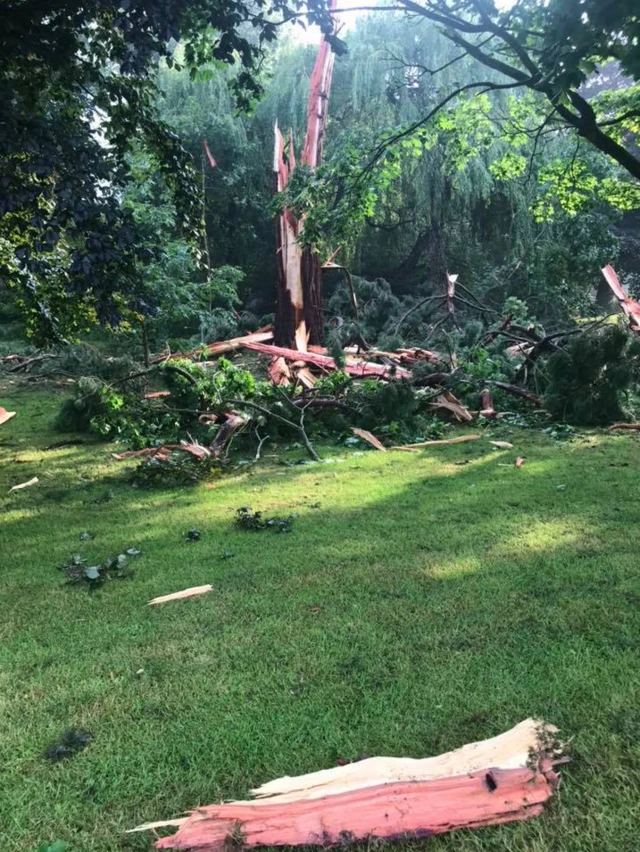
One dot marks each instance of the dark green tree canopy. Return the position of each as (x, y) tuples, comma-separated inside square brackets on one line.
[(77, 93)]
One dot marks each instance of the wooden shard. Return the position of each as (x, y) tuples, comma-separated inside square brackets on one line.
[(5, 415), (178, 596), (461, 439), (448, 402), (369, 438), (630, 307), (503, 779), (33, 481)]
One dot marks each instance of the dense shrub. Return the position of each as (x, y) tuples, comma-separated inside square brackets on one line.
[(590, 381)]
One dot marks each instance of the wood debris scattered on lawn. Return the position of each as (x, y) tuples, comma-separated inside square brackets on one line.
[(632, 427), (448, 402), (5, 415), (507, 778), (519, 461), (502, 445), (461, 439), (33, 481), (369, 438), (178, 596)]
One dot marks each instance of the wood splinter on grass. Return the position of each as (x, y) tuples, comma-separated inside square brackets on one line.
[(33, 481), (185, 593), (461, 439), (369, 438), (5, 415), (503, 779)]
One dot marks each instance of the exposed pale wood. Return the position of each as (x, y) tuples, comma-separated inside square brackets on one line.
[(448, 402), (634, 427), (461, 439), (161, 823), (508, 750), (178, 596), (502, 779), (262, 335), (369, 438), (502, 445), (33, 481), (5, 415)]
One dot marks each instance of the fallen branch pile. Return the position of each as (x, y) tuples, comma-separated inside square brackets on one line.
[(503, 779)]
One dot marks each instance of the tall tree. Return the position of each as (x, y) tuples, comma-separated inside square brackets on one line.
[(549, 48)]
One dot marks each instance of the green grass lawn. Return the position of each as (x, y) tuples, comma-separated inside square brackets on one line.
[(454, 601)]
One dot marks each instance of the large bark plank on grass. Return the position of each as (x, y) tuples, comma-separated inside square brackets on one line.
[(506, 778)]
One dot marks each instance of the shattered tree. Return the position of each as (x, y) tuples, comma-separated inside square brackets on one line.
[(299, 272)]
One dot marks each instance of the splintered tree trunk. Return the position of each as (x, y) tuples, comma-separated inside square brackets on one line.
[(299, 275)]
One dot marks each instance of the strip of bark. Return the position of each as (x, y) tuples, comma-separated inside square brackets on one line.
[(361, 369)]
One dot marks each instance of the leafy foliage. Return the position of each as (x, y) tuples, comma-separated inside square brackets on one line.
[(71, 742), (179, 469), (77, 94), (588, 383), (76, 569), (254, 521)]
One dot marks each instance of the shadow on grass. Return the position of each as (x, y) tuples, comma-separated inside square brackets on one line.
[(408, 613)]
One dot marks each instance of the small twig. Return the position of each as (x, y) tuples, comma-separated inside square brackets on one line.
[(260, 443), (415, 308)]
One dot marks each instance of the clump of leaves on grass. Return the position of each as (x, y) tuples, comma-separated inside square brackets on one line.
[(115, 567), (177, 470), (70, 743), (248, 520)]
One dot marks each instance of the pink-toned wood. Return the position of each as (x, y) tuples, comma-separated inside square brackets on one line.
[(317, 103), (162, 453), (352, 366), (630, 307), (210, 157), (486, 405), (299, 304), (389, 811), (5, 415), (279, 371), (157, 395)]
